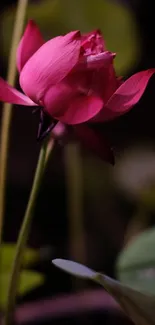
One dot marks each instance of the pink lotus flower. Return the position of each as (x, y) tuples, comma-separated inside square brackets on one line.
[(71, 79)]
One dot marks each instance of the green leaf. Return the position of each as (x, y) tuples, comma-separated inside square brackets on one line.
[(136, 263), (57, 17), (28, 281), (7, 252), (138, 306)]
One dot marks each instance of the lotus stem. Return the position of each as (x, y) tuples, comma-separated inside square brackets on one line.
[(73, 166), (24, 232), (7, 108)]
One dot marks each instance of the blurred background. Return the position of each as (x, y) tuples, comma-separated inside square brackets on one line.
[(87, 210)]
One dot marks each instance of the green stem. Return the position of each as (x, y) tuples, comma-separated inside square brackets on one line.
[(75, 204), (23, 235), (7, 111)]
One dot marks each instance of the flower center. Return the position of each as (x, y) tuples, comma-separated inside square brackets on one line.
[(92, 44)]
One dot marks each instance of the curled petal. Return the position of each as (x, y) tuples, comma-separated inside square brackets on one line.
[(11, 95), (57, 99), (126, 96), (50, 64), (31, 41), (68, 105), (81, 109), (96, 61), (101, 60)]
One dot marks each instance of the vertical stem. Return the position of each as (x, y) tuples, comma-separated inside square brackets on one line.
[(7, 111), (23, 235), (75, 202)]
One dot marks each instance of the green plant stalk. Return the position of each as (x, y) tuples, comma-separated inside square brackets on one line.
[(73, 166), (23, 235), (7, 108)]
